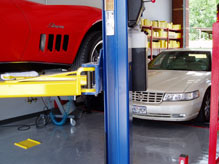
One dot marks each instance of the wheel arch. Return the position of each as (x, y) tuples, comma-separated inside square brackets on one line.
[(97, 26), (208, 89)]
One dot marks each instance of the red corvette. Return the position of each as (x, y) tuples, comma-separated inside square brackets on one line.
[(37, 36)]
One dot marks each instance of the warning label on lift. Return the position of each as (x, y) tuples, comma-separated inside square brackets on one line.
[(109, 23), (109, 14)]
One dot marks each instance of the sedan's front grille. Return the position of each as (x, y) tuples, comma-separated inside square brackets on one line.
[(147, 97)]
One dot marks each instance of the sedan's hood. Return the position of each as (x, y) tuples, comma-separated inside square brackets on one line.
[(174, 81)]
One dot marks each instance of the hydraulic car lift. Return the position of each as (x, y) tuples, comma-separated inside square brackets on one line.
[(87, 80), (62, 84)]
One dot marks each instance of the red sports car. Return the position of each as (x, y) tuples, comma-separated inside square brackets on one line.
[(37, 36)]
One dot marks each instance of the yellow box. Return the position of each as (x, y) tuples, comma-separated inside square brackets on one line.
[(147, 22), (170, 25), (162, 24), (155, 34), (155, 23), (158, 44), (142, 22), (162, 43), (177, 44), (171, 44), (172, 34), (155, 44), (177, 27), (148, 45), (162, 34), (174, 45), (178, 35)]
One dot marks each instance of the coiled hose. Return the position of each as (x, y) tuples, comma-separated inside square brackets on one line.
[(65, 116)]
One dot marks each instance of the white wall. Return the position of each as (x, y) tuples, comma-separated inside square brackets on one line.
[(161, 10), (14, 107)]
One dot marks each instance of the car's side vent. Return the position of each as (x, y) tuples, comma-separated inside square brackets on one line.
[(42, 42), (50, 42), (65, 43), (60, 41)]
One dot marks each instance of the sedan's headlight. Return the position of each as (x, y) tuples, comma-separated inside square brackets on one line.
[(181, 96)]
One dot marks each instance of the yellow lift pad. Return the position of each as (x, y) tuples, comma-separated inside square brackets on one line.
[(28, 143)]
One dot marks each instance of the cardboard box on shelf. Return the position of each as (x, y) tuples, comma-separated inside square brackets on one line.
[(163, 44), (155, 23), (170, 25), (155, 34), (162, 34), (177, 27), (171, 44), (174, 44), (148, 45), (147, 22), (172, 34), (162, 24), (178, 35), (155, 44), (142, 22), (177, 44)]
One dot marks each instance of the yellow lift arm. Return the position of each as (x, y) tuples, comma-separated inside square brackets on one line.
[(62, 84)]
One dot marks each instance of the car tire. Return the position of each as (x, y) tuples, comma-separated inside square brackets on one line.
[(94, 103), (204, 113), (89, 49), (89, 52)]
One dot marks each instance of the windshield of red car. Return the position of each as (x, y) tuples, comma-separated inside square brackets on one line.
[(182, 60)]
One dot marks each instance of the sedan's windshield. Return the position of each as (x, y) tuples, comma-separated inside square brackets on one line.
[(182, 60)]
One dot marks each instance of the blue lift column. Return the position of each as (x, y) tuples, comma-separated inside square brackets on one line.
[(116, 87)]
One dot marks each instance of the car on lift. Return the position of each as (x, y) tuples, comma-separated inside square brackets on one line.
[(35, 36), (179, 83)]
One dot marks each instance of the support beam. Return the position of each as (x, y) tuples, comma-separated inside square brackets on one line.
[(116, 88)]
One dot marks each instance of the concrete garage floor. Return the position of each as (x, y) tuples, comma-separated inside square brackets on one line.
[(153, 142)]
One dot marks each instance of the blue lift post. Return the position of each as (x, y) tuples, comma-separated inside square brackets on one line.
[(116, 84)]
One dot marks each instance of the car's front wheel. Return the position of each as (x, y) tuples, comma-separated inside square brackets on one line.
[(89, 50), (204, 113)]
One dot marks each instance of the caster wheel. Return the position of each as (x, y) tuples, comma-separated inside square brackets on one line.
[(72, 122)]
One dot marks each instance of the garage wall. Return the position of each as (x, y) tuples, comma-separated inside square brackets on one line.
[(15, 107), (161, 10)]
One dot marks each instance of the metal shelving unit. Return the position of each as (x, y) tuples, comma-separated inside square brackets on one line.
[(168, 38)]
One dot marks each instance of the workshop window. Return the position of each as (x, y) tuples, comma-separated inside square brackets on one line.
[(65, 42), (50, 42), (58, 42)]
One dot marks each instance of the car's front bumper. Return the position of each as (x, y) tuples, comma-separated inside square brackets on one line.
[(170, 111)]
